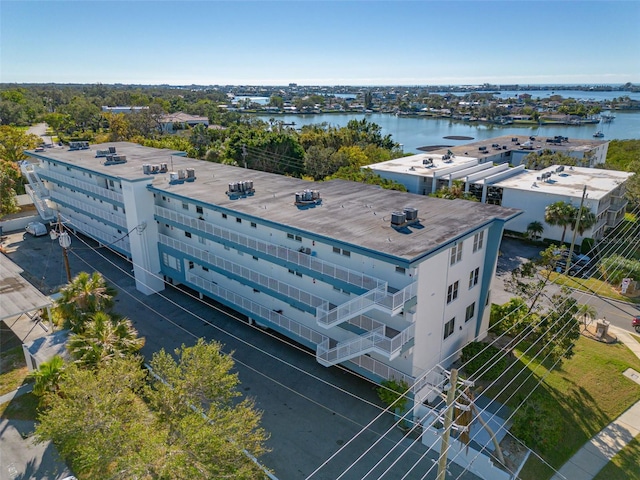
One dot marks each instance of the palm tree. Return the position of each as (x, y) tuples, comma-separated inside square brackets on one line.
[(82, 297), (587, 313), (534, 230), (560, 214), (103, 338), (48, 376), (587, 220)]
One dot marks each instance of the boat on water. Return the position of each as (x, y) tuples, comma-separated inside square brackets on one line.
[(607, 118), (598, 134)]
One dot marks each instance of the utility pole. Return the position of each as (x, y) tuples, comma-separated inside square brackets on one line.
[(65, 242), (575, 230), (448, 420)]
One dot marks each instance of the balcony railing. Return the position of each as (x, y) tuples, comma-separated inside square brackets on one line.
[(258, 310), (89, 187), (272, 284), (108, 215), (36, 190), (377, 340), (329, 316), (105, 238), (283, 253), (382, 370)]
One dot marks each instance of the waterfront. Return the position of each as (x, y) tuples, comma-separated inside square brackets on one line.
[(415, 132)]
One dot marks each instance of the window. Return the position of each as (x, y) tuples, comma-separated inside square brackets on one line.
[(254, 257), (473, 277), (478, 240), (290, 235), (187, 234), (185, 205), (400, 270), (346, 253), (115, 207), (452, 292), (456, 253), (205, 268), (253, 225), (238, 220), (471, 310), (298, 238), (336, 250), (198, 209), (224, 215), (190, 264), (449, 326)]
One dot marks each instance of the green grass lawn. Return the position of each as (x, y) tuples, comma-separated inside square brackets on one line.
[(601, 287), (625, 465), (13, 369), (574, 402)]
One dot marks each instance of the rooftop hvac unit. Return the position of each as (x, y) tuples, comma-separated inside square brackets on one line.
[(411, 214), (146, 168), (102, 153), (307, 197), (398, 218), (173, 177), (560, 168), (182, 174), (191, 174), (163, 168), (112, 149)]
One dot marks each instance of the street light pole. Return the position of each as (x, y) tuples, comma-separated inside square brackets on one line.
[(65, 242)]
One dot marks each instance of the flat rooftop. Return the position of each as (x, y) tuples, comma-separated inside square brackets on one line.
[(350, 212), (570, 181), (503, 143), (415, 164)]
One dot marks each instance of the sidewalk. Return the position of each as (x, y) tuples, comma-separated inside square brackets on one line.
[(596, 453)]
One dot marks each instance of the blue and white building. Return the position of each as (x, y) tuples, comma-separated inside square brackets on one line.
[(387, 283)]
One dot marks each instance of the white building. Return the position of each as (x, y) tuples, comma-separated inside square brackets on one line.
[(386, 283), (516, 187)]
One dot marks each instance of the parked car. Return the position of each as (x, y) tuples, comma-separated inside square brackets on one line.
[(36, 229), (635, 323)]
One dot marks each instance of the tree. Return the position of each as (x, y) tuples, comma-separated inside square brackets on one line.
[(102, 427), (85, 295), (14, 141), (48, 377), (586, 313), (455, 191), (547, 158), (535, 230), (196, 397), (560, 214), (104, 338), (9, 175), (587, 220)]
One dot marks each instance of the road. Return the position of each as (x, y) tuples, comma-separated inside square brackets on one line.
[(513, 253)]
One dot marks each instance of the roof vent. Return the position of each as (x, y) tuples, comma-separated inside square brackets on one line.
[(308, 197), (78, 145), (146, 168), (411, 214), (112, 149), (115, 159), (191, 174), (240, 189), (398, 219), (102, 153)]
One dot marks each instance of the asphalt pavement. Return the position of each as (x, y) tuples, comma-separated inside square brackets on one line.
[(311, 412)]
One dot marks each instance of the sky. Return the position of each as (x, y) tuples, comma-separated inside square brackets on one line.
[(337, 42)]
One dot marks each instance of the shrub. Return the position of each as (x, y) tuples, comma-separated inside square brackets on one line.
[(536, 425), (483, 358), (616, 267)]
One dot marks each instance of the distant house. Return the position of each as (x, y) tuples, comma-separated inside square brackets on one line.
[(171, 122)]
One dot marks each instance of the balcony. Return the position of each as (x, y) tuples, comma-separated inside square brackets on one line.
[(257, 310), (285, 254), (228, 267), (37, 191), (68, 181), (107, 215)]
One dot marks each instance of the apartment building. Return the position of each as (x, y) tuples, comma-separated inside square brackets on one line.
[(387, 283), (516, 187)]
